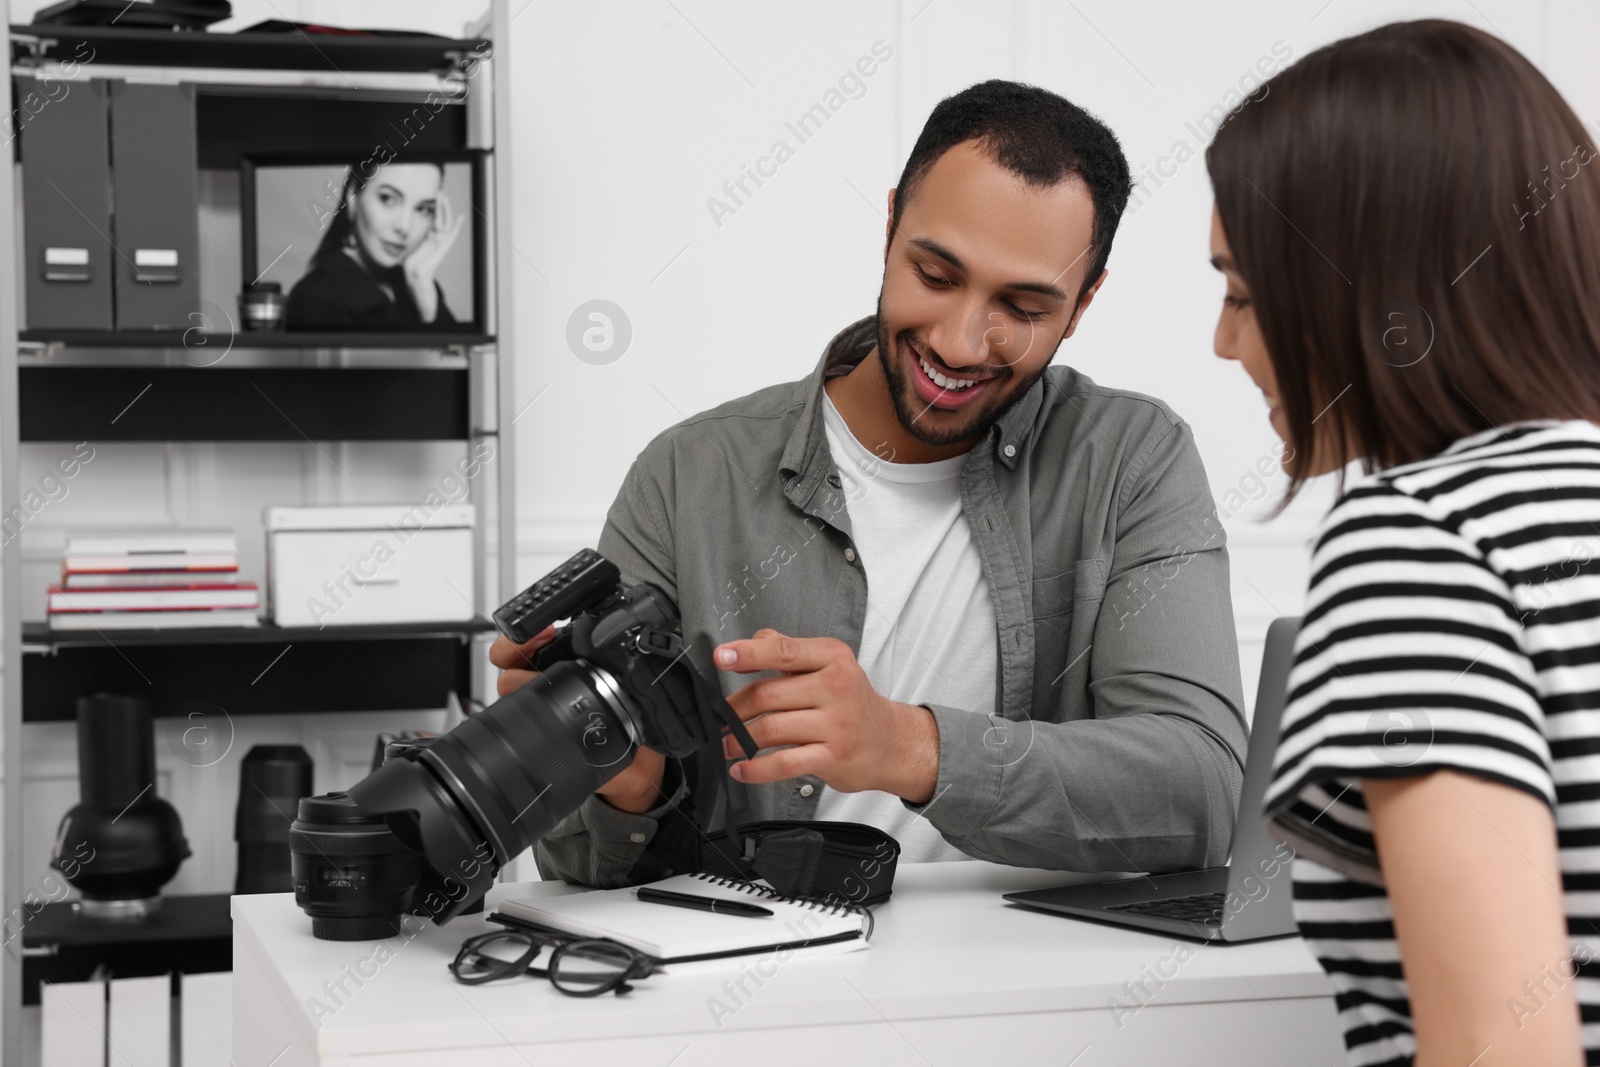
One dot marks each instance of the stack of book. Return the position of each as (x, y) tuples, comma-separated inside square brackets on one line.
[(168, 579)]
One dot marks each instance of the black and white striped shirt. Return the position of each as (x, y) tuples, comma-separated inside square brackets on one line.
[(1453, 622)]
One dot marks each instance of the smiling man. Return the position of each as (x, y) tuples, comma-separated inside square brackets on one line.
[(974, 600)]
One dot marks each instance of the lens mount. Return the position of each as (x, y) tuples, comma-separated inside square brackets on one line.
[(609, 688)]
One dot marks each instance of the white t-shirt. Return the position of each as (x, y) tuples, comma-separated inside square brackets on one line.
[(929, 632)]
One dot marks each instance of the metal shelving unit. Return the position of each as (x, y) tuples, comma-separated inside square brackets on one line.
[(467, 398)]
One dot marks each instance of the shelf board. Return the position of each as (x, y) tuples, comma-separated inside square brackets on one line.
[(39, 633), (182, 917), (73, 402), (190, 933), (267, 670), (232, 121), (204, 343), (328, 53)]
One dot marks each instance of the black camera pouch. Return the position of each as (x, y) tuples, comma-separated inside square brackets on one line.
[(839, 861)]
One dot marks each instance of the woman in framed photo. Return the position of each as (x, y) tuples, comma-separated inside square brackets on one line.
[(376, 265)]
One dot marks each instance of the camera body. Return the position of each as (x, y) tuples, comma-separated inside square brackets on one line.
[(616, 677)]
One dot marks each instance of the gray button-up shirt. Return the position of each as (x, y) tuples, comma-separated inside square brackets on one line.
[(1116, 738)]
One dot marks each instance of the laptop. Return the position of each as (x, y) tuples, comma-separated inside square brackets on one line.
[(1245, 901)]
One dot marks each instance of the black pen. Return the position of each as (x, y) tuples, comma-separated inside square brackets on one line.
[(685, 900)]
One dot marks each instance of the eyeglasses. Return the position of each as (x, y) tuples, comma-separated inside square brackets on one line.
[(585, 967)]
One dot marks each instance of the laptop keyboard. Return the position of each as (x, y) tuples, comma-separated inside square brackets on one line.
[(1203, 908)]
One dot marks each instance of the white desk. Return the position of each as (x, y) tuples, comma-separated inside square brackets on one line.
[(954, 976)]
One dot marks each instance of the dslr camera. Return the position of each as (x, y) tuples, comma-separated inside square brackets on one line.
[(427, 831)]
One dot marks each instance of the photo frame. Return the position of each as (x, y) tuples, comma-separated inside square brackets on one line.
[(354, 240)]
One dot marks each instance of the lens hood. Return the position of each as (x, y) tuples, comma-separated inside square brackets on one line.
[(417, 807)]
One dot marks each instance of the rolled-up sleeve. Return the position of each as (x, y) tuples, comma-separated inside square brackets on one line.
[(598, 844)]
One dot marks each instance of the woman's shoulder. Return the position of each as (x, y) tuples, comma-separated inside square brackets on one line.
[(334, 291), (1514, 446), (310, 289), (334, 267), (1371, 512), (322, 273), (1463, 480)]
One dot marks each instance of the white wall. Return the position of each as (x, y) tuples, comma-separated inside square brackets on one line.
[(633, 114), (629, 115)]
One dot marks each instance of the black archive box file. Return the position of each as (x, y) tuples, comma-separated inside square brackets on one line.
[(157, 199), (66, 200)]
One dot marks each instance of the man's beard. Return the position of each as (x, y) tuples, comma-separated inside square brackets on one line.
[(909, 407)]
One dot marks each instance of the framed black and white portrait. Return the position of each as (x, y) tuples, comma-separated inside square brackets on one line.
[(378, 242)]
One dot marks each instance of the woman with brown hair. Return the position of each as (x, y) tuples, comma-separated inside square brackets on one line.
[(1409, 227)]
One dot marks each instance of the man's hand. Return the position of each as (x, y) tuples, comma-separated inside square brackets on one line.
[(842, 730), (638, 788), (516, 661)]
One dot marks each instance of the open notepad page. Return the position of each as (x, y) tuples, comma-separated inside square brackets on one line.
[(670, 933)]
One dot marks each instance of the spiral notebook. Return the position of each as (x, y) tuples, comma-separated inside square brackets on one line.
[(683, 934)]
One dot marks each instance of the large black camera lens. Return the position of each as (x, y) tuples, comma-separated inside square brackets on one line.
[(615, 677), (352, 875), (474, 798), (272, 779)]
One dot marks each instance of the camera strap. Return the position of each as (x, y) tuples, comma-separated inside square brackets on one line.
[(727, 798), (834, 861), (669, 646)]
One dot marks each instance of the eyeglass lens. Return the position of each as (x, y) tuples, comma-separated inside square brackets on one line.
[(493, 956), (589, 968)]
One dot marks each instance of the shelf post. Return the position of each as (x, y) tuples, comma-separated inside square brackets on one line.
[(505, 301), (10, 601)]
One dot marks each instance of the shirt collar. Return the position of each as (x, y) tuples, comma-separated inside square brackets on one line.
[(805, 458)]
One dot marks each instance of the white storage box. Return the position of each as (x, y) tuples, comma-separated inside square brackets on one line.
[(358, 565)]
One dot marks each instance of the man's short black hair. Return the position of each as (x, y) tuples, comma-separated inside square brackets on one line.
[(1040, 137)]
